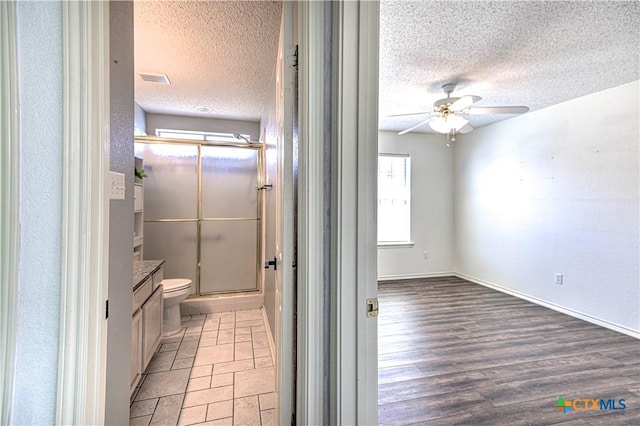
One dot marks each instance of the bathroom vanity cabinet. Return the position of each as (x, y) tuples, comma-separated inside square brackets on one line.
[(146, 324)]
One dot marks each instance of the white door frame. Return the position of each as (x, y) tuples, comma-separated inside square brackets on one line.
[(352, 390), (9, 199), (85, 214), (354, 369)]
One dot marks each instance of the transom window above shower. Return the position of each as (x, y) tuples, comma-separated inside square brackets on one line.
[(202, 136)]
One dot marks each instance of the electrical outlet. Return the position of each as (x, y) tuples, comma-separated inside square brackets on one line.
[(424, 255), (558, 279), (117, 186)]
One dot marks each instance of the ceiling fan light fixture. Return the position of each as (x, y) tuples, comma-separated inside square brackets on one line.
[(448, 123)]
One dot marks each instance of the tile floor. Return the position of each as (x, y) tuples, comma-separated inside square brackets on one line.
[(218, 371)]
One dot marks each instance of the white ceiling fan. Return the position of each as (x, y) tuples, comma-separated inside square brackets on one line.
[(448, 113)]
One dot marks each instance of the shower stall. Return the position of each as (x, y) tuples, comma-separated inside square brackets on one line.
[(202, 211)]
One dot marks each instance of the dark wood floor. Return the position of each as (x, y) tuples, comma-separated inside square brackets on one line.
[(453, 352)]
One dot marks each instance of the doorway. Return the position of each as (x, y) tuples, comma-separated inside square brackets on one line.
[(202, 212)]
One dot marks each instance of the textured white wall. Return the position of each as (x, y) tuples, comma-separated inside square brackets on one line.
[(38, 294), (179, 122), (431, 207), (556, 190), (139, 119)]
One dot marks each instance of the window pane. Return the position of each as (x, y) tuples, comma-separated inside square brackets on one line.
[(394, 198)]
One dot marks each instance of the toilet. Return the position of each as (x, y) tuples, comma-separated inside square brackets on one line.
[(174, 291)]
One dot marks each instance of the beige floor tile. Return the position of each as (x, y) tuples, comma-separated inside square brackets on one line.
[(199, 383), (209, 342), (258, 328), (268, 417), (225, 379), (207, 396), (193, 323), (226, 325), (209, 334), (243, 330), (246, 411), (220, 410), (192, 415), (230, 367), (188, 337), (163, 384), (185, 318), (198, 317), (227, 317), (260, 340), (264, 362), (267, 401), (202, 370), (161, 361), (254, 382), (166, 347), (214, 354), (193, 330), (220, 422), (243, 338), (172, 339), (254, 314), (143, 408), (140, 421), (261, 352), (182, 363), (249, 323), (187, 349), (167, 410), (243, 350), (225, 336)]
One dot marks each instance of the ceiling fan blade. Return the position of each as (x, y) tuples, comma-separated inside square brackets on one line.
[(466, 128), (497, 110), (422, 123), (464, 102), (410, 113)]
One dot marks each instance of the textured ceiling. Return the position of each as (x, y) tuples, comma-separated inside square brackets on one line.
[(533, 53), (220, 55)]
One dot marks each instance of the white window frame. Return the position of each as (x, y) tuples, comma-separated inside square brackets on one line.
[(199, 136), (400, 242)]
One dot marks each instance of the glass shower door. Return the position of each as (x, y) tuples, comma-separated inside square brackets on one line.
[(171, 207), (230, 225)]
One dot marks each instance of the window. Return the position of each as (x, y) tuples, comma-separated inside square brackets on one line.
[(201, 136), (394, 199)]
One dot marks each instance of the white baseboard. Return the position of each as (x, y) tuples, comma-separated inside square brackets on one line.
[(226, 303), (272, 345), (567, 311), (415, 276)]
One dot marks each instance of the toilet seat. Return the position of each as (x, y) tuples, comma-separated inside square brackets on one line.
[(175, 284)]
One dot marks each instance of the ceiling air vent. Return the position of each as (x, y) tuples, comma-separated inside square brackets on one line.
[(155, 78)]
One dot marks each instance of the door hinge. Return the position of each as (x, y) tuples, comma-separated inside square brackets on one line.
[(372, 307), (106, 313), (295, 57)]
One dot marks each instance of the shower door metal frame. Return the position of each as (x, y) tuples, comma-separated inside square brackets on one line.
[(260, 147)]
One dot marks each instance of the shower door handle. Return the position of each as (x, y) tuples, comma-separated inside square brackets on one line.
[(273, 263)]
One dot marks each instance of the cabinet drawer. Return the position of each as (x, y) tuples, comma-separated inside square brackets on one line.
[(142, 293), (157, 278)]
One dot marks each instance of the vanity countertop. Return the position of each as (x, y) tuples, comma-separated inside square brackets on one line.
[(143, 269)]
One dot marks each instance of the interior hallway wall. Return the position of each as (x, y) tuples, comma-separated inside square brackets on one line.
[(39, 48), (121, 214), (431, 208), (202, 124), (556, 191)]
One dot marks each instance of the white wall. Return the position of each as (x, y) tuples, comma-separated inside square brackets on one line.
[(556, 190), (39, 49), (431, 208), (139, 120), (202, 124)]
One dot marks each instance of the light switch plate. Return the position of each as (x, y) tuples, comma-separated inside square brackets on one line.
[(117, 186)]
